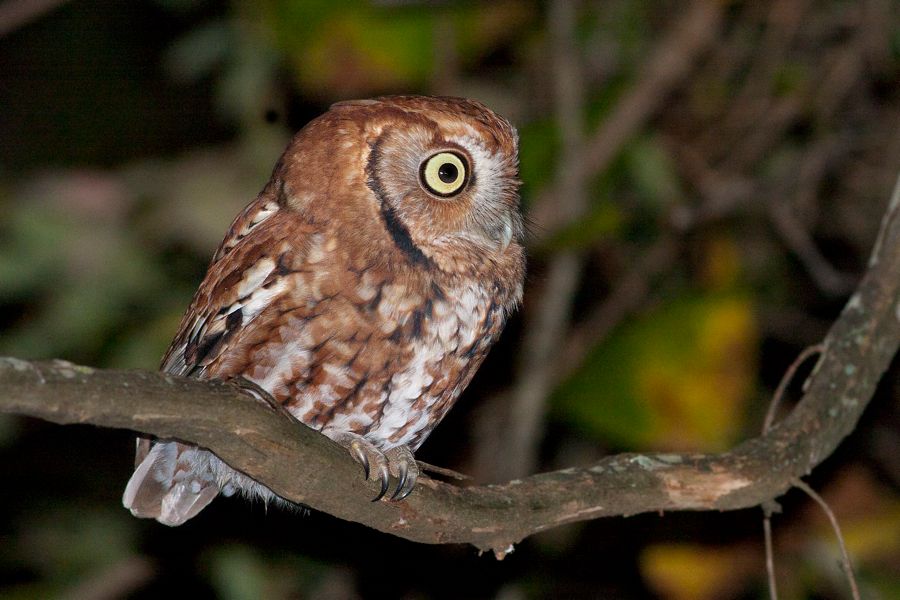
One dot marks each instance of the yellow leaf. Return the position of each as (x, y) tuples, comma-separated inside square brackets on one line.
[(698, 393), (694, 572), (876, 536), (676, 379)]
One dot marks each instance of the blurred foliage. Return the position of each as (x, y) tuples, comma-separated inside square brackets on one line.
[(132, 133), (680, 375), (684, 571), (239, 572), (352, 48), (63, 544), (66, 245), (678, 378)]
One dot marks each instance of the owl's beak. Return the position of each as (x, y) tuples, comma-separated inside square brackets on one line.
[(506, 232), (499, 233)]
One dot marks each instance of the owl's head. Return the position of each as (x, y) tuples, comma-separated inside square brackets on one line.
[(441, 173)]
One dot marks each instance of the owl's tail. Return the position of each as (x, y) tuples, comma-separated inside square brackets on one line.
[(171, 483)]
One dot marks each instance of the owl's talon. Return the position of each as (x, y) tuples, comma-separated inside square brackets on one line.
[(385, 478), (373, 460), (403, 490), (402, 478), (403, 465), (360, 455), (397, 462)]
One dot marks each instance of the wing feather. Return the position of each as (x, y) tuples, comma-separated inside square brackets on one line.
[(172, 481), (242, 281)]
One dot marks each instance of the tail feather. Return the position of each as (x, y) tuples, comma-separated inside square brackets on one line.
[(172, 483)]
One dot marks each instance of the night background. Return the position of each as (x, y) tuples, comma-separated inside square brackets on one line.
[(737, 158)]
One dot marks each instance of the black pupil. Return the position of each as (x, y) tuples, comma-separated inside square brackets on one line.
[(448, 172)]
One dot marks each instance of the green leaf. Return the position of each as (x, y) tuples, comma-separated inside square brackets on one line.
[(676, 378)]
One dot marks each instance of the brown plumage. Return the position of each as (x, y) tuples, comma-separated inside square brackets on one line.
[(361, 289)]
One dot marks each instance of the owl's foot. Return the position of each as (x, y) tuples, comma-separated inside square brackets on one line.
[(403, 466), (380, 465)]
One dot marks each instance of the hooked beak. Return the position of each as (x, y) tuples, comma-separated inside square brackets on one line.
[(505, 232), (500, 232)]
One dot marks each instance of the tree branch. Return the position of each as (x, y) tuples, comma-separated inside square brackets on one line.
[(306, 467)]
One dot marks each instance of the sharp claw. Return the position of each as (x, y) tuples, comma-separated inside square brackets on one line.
[(403, 493), (403, 473), (385, 478), (362, 458)]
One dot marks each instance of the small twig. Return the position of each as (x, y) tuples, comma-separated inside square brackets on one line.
[(827, 277), (770, 556), (767, 424), (846, 565), (767, 512), (449, 473), (785, 381)]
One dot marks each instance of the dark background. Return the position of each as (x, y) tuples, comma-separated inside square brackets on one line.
[(132, 132)]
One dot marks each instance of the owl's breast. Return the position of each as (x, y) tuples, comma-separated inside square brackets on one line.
[(449, 337), (381, 359)]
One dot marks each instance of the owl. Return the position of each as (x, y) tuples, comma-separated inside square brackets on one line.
[(361, 290)]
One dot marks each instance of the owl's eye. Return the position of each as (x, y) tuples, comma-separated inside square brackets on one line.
[(444, 174)]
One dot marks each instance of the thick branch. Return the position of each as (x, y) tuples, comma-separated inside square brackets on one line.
[(308, 468)]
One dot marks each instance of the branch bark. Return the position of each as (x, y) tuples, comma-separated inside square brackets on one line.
[(308, 468)]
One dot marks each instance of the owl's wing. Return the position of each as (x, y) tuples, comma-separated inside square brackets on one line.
[(240, 282), (172, 481)]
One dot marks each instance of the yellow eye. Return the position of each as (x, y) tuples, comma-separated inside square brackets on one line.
[(444, 174)]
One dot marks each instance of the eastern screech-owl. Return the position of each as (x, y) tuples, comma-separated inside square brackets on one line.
[(361, 290)]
